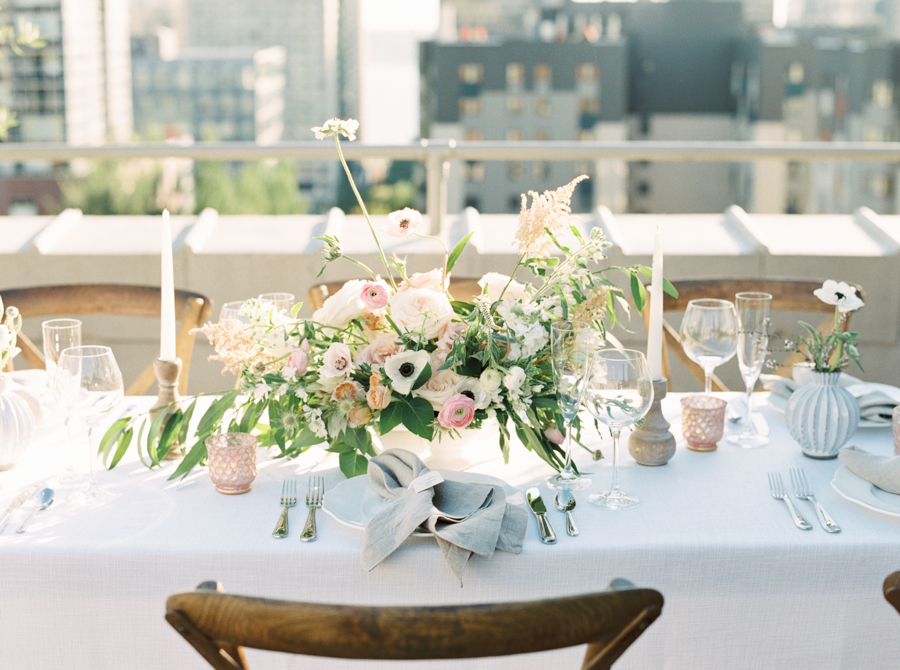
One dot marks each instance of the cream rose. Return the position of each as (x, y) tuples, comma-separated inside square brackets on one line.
[(420, 310), (378, 397), (360, 415), (496, 282), (449, 333), (344, 306), (440, 387), (430, 280), (379, 350)]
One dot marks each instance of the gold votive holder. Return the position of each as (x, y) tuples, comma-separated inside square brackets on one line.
[(896, 422), (702, 421), (232, 462)]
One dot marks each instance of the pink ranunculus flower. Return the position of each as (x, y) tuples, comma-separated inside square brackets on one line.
[(375, 294), (402, 223), (337, 361), (457, 412), (298, 360), (554, 434)]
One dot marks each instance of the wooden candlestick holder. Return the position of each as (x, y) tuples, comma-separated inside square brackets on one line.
[(167, 374), (653, 443)]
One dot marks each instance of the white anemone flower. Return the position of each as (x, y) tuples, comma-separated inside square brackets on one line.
[(404, 369), (402, 223), (840, 294)]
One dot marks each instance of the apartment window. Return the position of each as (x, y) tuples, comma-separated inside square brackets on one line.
[(470, 106), (514, 105), (471, 73), (474, 171), (882, 93), (513, 135), (473, 202), (540, 170), (542, 106), (542, 74), (514, 204), (541, 136), (515, 171), (587, 72), (585, 135), (515, 74), (472, 136)]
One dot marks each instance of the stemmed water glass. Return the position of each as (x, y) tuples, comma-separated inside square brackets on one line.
[(571, 345), (88, 386), (753, 310), (61, 334), (283, 302), (618, 392), (231, 312), (709, 334)]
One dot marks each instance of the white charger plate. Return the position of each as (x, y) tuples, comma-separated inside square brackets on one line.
[(353, 502), (858, 490), (780, 403)]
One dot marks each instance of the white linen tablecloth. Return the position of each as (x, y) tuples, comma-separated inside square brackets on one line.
[(86, 587)]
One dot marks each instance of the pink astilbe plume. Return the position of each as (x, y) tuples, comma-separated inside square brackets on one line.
[(551, 210)]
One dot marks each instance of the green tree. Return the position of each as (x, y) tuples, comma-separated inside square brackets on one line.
[(255, 188), (113, 187)]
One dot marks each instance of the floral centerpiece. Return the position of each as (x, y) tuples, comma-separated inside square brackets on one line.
[(396, 349)]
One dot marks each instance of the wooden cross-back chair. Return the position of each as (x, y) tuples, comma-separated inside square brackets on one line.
[(787, 295), (191, 309), (892, 590), (219, 626), (462, 288)]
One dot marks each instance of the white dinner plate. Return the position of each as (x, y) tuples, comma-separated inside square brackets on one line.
[(780, 403), (858, 490), (353, 502)]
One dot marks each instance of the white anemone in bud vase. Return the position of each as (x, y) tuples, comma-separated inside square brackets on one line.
[(840, 294), (404, 369), (402, 223), (334, 127)]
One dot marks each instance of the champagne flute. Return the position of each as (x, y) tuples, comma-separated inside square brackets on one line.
[(709, 334), (61, 334), (570, 347), (88, 386), (753, 310), (618, 392)]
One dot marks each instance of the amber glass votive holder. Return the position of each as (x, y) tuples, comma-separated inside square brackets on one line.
[(896, 422), (702, 421), (232, 461)]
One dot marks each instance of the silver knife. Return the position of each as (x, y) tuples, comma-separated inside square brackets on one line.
[(17, 503), (533, 495)]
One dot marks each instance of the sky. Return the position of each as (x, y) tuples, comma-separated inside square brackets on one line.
[(392, 29)]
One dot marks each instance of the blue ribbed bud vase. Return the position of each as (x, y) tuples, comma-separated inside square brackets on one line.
[(822, 416)]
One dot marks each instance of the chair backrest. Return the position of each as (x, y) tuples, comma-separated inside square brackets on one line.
[(787, 295), (892, 590), (220, 625), (461, 288), (191, 309)]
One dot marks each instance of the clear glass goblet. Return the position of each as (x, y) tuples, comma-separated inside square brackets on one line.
[(618, 393), (709, 334), (283, 302), (61, 334), (231, 312), (571, 347), (88, 386), (753, 312)]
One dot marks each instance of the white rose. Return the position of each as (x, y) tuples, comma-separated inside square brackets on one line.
[(514, 378), (496, 282), (404, 368), (337, 361), (5, 338), (491, 379), (344, 306), (440, 388), (430, 280), (419, 310)]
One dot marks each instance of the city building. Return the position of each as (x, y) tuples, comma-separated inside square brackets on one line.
[(213, 93)]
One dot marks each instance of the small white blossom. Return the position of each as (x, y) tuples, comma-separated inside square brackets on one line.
[(514, 380), (334, 127), (840, 294)]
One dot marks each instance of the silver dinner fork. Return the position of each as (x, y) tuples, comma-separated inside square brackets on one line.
[(777, 489), (315, 491), (288, 500), (802, 491)]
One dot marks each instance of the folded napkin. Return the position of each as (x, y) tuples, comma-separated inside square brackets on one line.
[(465, 518), (874, 404), (883, 471)]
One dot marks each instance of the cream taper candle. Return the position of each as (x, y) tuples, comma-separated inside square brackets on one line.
[(167, 289), (655, 330)]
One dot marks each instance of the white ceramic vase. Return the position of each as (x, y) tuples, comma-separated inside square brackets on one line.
[(472, 446), (822, 415), (16, 425)]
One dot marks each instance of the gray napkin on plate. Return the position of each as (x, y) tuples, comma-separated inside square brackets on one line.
[(883, 471), (465, 518)]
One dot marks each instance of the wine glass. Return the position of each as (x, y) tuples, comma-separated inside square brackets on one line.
[(571, 349), (88, 386), (753, 310), (231, 312), (283, 302), (61, 334), (709, 334), (618, 392)]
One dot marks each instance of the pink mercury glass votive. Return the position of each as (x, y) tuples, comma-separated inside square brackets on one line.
[(702, 421), (897, 430), (232, 461)]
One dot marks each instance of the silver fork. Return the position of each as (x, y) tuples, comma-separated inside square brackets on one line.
[(315, 490), (802, 491), (288, 500), (777, 489)]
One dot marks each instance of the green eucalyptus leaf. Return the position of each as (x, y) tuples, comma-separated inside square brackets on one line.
[(638, 292), (391, 416), (111, 437), (457, 251), (668, 288), (124, 442), (423, 377), (186, 422), (193, 456), (418, 417), (353, 464)]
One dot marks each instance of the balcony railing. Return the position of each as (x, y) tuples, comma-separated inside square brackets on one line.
[(436, 155)]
